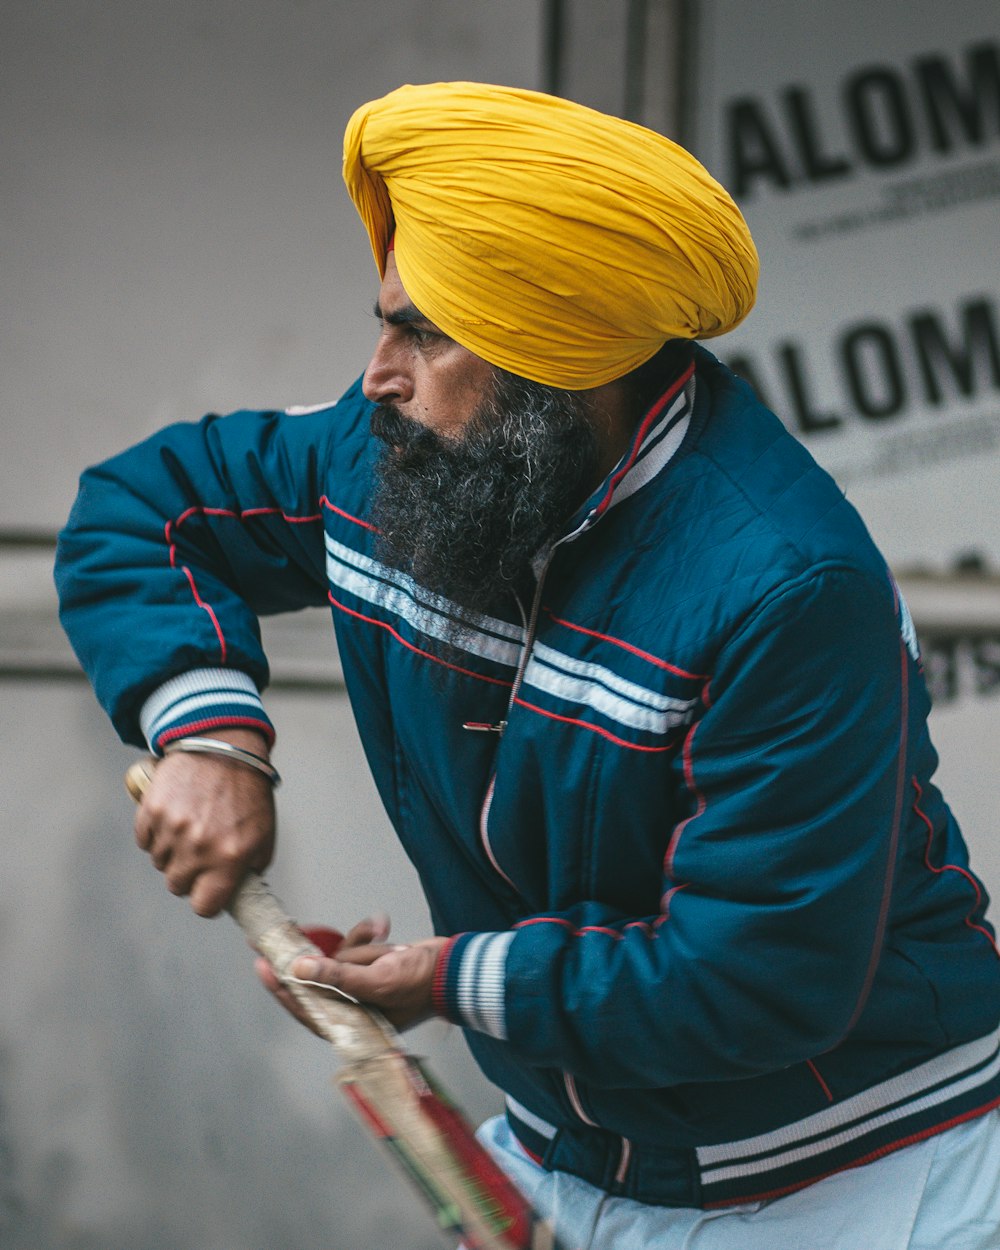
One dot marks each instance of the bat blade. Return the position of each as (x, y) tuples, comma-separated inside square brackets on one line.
[(429, 1138)]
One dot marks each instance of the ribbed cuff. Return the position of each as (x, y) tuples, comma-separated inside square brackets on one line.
[(200, 701), (469, 982)]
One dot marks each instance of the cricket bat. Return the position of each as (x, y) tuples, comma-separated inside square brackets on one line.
[(391, 1090)]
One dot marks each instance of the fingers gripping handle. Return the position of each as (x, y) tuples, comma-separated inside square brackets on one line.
[(253, 906), (356, 1032)]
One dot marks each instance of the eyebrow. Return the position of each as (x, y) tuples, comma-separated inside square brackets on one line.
[(408, 315)]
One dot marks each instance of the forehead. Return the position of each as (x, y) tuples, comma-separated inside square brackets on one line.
[(392, 286)]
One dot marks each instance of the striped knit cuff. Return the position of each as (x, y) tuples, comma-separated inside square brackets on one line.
[(469, 983), (200, 701)]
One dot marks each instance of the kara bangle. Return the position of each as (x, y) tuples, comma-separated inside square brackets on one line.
[(216, 746)]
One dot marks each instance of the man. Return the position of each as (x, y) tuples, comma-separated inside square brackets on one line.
[(637, 690)]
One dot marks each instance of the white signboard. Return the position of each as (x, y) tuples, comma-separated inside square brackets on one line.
[(863, 144)]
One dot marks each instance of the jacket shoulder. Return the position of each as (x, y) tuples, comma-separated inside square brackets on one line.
[(761, 491), (742, 515)]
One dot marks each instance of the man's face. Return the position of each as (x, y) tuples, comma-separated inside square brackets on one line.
[(479, 469), (423, 373)]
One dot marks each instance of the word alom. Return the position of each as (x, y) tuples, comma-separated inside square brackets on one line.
[(889, 117), (883, 370)]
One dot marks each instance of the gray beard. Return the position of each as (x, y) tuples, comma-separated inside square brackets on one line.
[(465, 517)]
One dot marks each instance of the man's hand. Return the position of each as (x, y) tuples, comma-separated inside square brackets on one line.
[(205, 821), (394, 979)]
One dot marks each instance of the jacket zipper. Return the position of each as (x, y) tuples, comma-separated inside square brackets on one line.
[(530, 628), (625, 1147)]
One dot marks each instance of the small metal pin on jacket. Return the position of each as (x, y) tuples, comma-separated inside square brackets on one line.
[(484, 727)]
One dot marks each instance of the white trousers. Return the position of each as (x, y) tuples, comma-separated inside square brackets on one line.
[(940, 1194)]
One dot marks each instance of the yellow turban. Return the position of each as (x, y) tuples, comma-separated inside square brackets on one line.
[(556, 242)]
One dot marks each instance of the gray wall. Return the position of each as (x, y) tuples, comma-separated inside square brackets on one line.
[(176, 235)]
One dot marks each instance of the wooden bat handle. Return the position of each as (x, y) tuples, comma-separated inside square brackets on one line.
[(356, 1032)]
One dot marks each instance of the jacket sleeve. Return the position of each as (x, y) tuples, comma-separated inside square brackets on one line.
[(776, 885), (174, 548)]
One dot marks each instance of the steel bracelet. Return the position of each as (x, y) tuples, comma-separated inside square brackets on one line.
[(216, 746)]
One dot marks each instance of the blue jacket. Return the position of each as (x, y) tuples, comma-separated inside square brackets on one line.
[(713, 927)]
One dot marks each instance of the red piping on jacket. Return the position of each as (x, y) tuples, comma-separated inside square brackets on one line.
[(484, 833), (582, 724), (962, 872), (822, 1084), (897, 821), (700, 800), (205, 607), (651, 417), (371, 620), (231, 514), (617, 934), (627, 646)]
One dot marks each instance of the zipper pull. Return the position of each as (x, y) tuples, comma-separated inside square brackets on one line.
[(484, 728)]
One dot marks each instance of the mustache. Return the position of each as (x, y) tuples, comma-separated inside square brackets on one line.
[(401, 433)]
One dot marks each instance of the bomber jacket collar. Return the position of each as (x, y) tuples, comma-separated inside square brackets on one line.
[(655, 442)]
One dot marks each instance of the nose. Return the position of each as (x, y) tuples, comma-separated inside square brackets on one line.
[(386, 379)]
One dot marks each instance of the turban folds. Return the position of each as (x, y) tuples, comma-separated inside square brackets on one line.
[(556, 242)]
